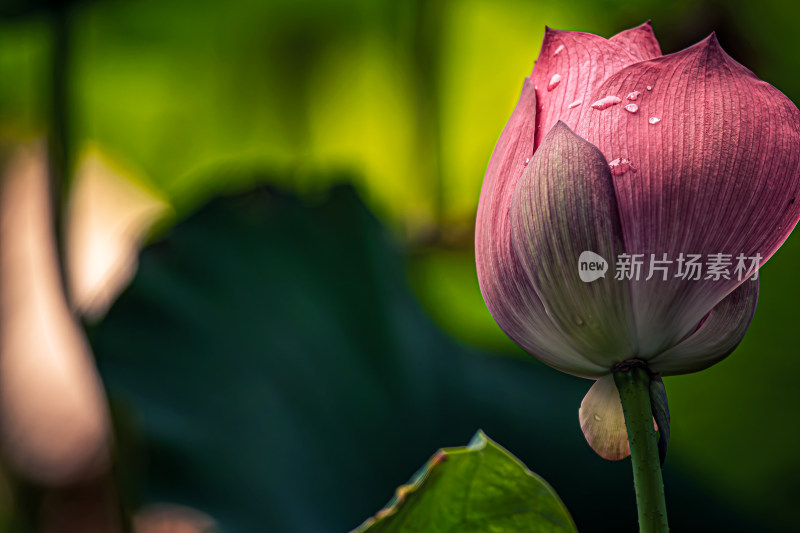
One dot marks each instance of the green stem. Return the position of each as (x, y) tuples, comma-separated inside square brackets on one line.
[(634, 391)]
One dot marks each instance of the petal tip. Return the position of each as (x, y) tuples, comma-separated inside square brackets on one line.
[(561, 130), (712, 40), (711, 44), (711, 49), (639, 41)]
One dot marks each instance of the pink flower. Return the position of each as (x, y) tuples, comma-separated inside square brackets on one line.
[(630, 153)]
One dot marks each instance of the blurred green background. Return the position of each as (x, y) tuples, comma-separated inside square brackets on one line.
[(306, 328)]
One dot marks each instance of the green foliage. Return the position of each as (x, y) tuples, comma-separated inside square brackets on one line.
[(473, 489)]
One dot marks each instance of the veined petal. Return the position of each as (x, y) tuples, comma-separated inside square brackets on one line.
[(571, 66), (719, 334), (602, 420), (563, 206), (640, 41), (506, 289), (716, 154)]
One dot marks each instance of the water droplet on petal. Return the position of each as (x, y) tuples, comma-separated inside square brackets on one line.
[(578, 321), (597, 418), (654, 120), (576, 103), (527, 160), (620, 166), (608, 101), (632, 108), (559, 49), (554, 81), (649, 87), (633, 95)]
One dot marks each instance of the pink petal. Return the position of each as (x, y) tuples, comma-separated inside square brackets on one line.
[(640, 41), (603, 422), (582, 61), (718, 173), (52, 403), (506, 288), (720, 333), (564, 205)]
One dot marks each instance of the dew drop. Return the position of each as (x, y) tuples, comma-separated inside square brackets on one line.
[(598, 418), (632, 108), (554, 81), (608, 101), (633, 95), (527, 160), (576, 103), (620, 166), (649, 87), (654, 120), (559, 49)]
